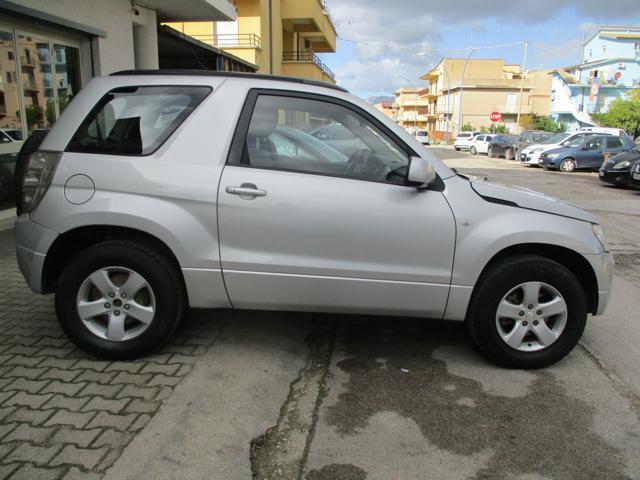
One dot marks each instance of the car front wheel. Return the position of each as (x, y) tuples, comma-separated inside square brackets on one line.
[(568, 165), (508, 154), (119, 300), (527, 312), (473, 151)]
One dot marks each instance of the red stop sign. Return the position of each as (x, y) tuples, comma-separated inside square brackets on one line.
[(495, 116)]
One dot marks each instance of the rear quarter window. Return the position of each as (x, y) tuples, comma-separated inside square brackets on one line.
[(136, 120)]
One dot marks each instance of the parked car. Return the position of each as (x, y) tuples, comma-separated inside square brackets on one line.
[(423, 137), (635, 175), (530, 137), (463, 140), (531, 155), (617, 170), (133, 208), (10, 141), (502, 146), (585, 153), (480, 144), (338, 137)]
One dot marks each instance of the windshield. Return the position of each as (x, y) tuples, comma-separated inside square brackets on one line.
[(557, 138), (464, 135), (576, 142)]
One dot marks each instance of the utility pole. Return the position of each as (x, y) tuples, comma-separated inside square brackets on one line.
[(523, 73)]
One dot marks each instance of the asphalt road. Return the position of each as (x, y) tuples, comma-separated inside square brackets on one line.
[(329, 397)]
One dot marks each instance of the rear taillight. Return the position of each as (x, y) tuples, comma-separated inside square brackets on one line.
[(41, 166)]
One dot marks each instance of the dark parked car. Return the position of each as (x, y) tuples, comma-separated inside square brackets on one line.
[(503, 146), (529, 137), (584, 153), (617, 170), (635, 175)]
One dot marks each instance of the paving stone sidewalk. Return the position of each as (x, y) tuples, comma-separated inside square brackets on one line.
[(63, 414)]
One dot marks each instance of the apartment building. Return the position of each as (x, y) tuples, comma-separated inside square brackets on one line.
[(281, 37), (411, 108), (386, 107), (610, 69), (489, 85)]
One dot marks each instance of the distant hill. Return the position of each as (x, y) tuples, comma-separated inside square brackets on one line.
[(380, 98)]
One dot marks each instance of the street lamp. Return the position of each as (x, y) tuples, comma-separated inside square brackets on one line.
[(464, 69), (446, 74), (415, 93)]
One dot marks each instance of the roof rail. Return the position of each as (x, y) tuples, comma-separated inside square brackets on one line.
[(245, 75)]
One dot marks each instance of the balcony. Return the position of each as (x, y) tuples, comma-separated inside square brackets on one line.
[(231, 40), (510, 109), (27, 62), (306, 64), (313, 21), (30, 86)]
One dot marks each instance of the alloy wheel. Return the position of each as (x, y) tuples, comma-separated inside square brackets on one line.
[(531, 316), (116, 303), (568, 165)]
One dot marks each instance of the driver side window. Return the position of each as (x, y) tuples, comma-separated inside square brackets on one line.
[(312, 136)]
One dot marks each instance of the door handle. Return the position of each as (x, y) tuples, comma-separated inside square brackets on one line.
[(246, 189)]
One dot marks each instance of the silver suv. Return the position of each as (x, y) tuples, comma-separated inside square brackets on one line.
[(157, 191)]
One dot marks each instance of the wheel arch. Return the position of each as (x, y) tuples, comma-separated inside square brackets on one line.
[(568, 258), (67, 245)]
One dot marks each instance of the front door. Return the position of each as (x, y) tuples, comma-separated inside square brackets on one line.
[(591, 156), (308, 228)]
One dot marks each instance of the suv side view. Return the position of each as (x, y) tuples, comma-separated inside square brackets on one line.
[(157, 191)]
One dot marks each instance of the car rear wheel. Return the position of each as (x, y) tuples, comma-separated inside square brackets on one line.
[(508, 154), (473, 151), (568, 165), (527, 312), (490, 152), (119, 300)]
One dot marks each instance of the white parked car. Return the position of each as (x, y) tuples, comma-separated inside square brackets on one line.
[(480, 144), (463, 140), (10, 141), (423, 137), (133, 208)]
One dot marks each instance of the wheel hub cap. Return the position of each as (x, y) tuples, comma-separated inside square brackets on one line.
[(116, 303), (531, 316)]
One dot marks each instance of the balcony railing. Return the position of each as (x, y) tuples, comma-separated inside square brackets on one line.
[(30, 85), (307, 56), (327, 13), (27, 61), (510, 108), (231, 40)]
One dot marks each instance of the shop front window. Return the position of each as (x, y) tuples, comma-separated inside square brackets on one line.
[(10, 118), (36, 71), (67, 74), (38, 79)]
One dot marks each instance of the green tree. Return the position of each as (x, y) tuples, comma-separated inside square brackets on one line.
[(623, 113), (34, 115), (467, 127), (547, 124)]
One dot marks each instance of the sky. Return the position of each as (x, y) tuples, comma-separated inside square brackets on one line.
[(379, 41)]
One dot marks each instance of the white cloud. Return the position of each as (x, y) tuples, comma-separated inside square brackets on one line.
[(387, 35)]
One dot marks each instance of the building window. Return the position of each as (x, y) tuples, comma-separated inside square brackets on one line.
[(10, 77), (10, 55)]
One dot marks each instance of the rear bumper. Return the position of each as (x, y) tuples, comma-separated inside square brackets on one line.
[(32, 244), (602, 265)]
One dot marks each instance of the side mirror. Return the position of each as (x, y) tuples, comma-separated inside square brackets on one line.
[(421, 172)]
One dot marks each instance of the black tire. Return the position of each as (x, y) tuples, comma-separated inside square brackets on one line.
[(473, 151), (457, 149), (568, 165), (162, 277), (508, 154), (497, 282), (490, 152)]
